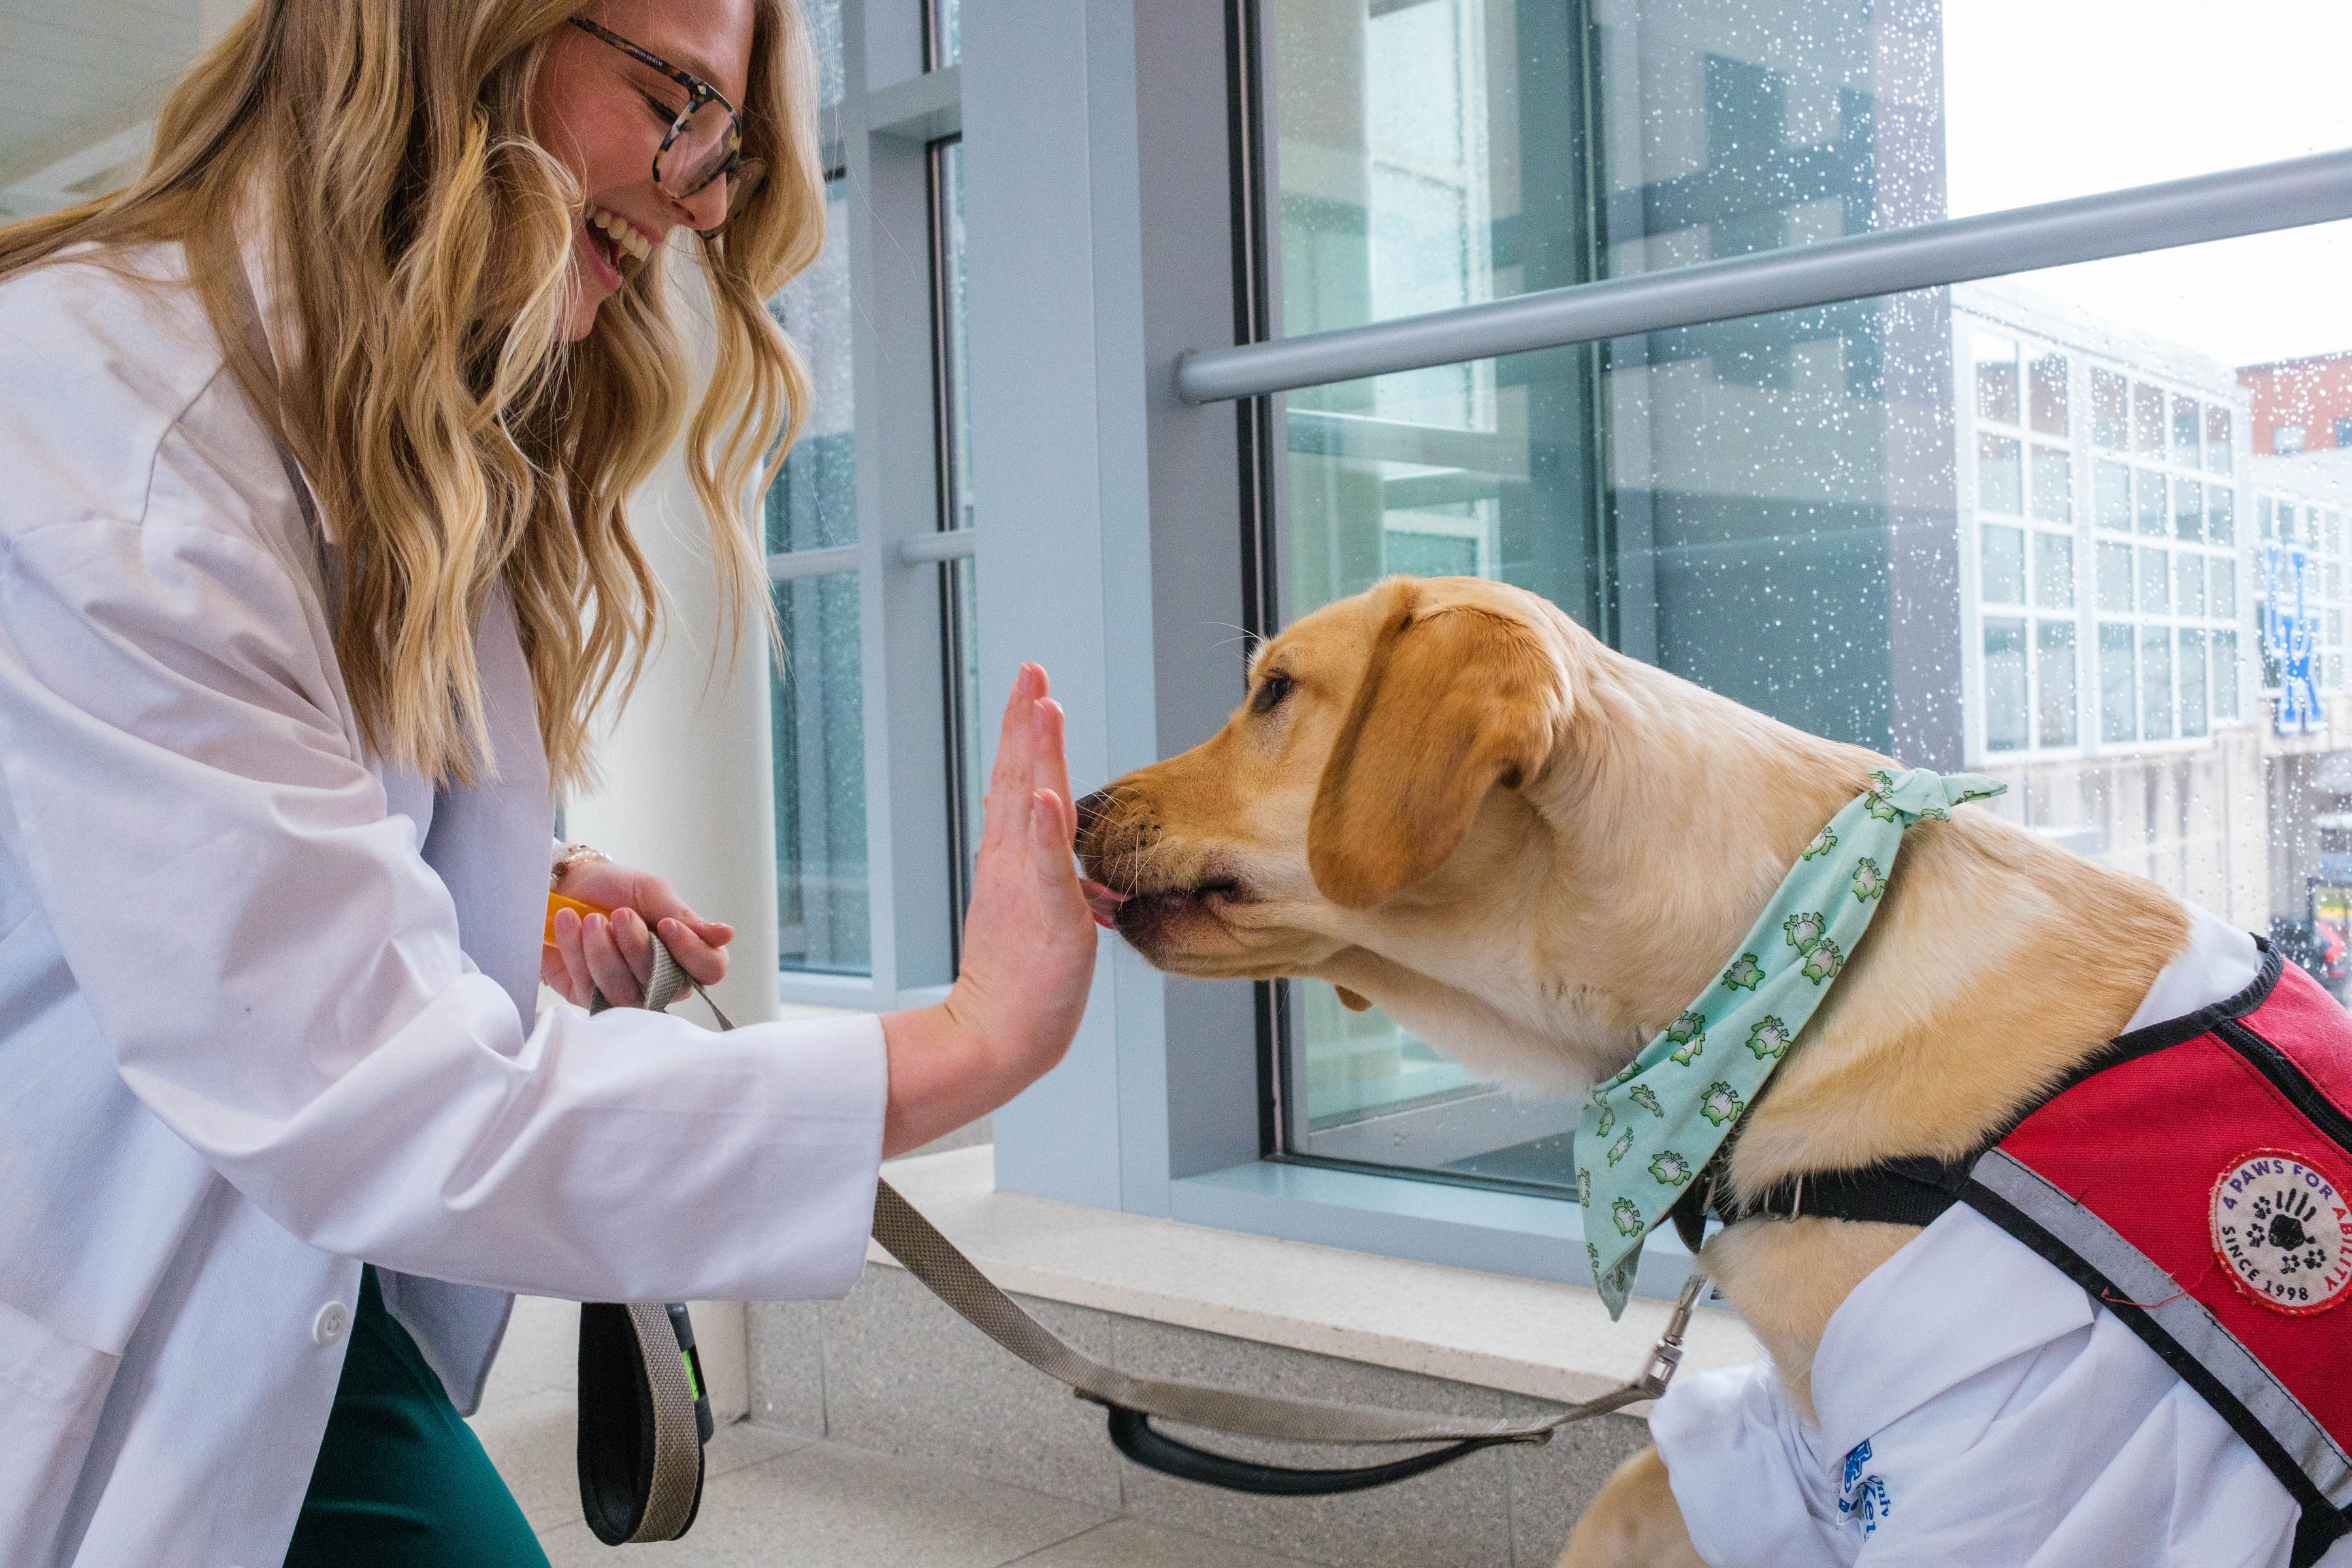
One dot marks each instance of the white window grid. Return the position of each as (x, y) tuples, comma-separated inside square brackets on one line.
[(2108, 551)]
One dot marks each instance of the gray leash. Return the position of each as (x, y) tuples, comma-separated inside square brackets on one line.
[(1132, 1401)]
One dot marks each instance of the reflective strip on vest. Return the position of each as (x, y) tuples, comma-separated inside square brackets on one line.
[(2186, 1321)]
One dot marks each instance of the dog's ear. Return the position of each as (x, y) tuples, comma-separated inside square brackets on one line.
[(1454, 700)]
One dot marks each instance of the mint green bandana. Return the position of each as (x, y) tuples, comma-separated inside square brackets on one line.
[(1649, 1131)]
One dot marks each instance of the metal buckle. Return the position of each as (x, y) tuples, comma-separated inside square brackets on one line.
[(1666, 1355)]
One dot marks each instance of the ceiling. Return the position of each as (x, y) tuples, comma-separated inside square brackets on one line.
[(80, 83)]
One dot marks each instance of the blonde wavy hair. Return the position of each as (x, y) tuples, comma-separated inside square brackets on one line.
[(452, 437)]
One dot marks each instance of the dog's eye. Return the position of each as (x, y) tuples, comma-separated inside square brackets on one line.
[(1270, 692)]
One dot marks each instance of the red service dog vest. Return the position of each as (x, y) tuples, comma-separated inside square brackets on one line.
[(2196, 1177)]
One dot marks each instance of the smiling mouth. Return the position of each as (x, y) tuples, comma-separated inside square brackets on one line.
[(617, 241)]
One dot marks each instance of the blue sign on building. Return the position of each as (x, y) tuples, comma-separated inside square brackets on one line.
[(2288, 634)]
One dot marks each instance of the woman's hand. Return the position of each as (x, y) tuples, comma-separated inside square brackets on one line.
[(614, 953), (1028, 945)]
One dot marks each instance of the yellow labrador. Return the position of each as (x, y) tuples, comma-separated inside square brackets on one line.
[(1445, 797)]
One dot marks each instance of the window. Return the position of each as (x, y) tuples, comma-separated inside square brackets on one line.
[(2004, 565), (2005, 700), (2286, 439), (1996, 378), (1712, 499), (2053, 571), (2148, 419), (959, 578), (2056, 720), (2107, 428), (2053, 485), (2000, 486), (942, 40), (2049, 395), (823, 902), (2216, 439)]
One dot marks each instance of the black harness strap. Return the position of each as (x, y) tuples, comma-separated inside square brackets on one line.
[(1900, 1192)]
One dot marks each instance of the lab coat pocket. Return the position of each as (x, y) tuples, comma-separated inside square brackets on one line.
[(51, 1389)]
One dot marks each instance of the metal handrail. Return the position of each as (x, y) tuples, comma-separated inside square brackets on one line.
[(2291, 193), (947, 544)]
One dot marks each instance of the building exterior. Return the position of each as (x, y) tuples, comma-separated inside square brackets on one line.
[(2155, 614), (2300, 404)]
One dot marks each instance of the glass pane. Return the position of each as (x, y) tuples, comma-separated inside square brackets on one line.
[(2148, 419), (2155, 683), (2053, 485), (2216, 439), (2222, 602), (817, 696), (959, 580), (2155, 590), (2116, 578), (2185, 425), (2192, 684), (825, 29), (2224, 687), (2118, 683), (945, 17), (821, 883), (2000, 486), (2004, 565), (1996, 359), (2049, 376), (2054, 572), (2004, 676), (814, 503), (2108, 426), (2188, 510), (2188, 584), (2113, 483), (2154, 510), (2055, 716), (2221, 509)]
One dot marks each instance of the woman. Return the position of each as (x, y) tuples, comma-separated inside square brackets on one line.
[(318, 440)]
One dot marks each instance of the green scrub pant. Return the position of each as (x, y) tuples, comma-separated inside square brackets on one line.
[(401, 1481)]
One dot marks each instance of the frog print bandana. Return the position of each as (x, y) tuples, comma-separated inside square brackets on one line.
[(1647, 1133)]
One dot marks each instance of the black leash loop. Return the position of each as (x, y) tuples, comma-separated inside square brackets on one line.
[(1132, 1434)]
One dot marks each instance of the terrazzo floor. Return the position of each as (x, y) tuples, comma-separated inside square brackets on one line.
[(782, 1500)]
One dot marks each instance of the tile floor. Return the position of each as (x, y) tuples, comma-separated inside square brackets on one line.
[(787, 1501)]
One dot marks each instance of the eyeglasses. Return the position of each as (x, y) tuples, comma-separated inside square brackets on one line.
[(705, 143)]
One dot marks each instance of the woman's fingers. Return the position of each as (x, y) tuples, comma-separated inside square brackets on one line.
[(609, 965), (1014, 741), (1053, 758), (706, 962), (571, 934)]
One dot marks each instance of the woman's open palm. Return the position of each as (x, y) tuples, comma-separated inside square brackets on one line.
[(1029, 938)]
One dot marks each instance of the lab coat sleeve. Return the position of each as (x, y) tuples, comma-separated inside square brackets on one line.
[(278, 972)]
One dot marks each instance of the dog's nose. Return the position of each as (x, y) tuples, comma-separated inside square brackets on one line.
[(1091, 810)]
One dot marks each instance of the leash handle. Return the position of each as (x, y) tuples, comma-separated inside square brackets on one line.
[(644, 1412)]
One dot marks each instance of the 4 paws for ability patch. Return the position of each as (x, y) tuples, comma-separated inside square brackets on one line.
[(2282, 1227)]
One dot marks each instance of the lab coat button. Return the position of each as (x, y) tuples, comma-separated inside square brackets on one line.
[(329, 1325)]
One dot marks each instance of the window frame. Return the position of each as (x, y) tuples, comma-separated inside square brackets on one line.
[(878, 135)]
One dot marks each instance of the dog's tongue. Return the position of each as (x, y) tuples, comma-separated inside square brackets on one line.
[(1103, 903)]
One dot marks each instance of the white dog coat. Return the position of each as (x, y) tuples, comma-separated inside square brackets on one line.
[(1978, 1407)]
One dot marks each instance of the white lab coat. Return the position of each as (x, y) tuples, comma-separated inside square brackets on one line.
[(1977, 1406), (240, 1046)]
